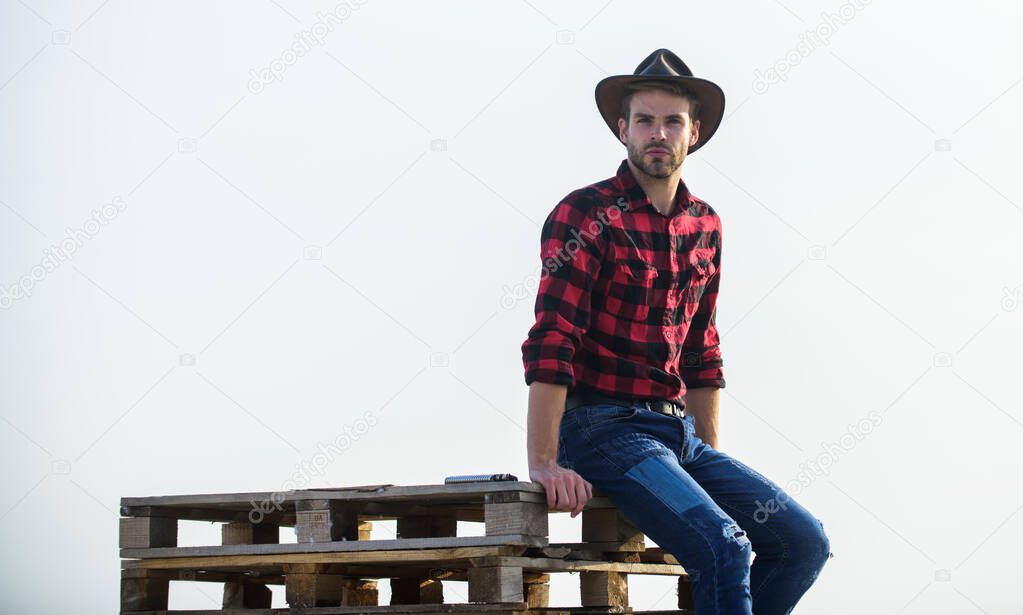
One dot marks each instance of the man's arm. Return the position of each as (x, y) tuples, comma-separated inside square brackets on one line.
[(703, 405), (701, 367), (571, 258), (566, 490)]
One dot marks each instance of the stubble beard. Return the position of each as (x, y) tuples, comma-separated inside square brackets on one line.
[(655, 167)]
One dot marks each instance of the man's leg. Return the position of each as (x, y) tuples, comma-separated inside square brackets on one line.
[(632, 456), (790, 544)]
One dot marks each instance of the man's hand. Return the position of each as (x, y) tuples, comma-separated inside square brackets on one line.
[(566, 490)]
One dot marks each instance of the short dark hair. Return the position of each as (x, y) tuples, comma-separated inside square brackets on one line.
[(671, 88)]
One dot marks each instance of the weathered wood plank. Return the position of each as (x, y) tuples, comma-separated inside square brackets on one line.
[(344, 546), (291, 553), (540, 564), (238, 512), (427, 609), (265, 510), (381, 564), (411, 609), (380, 493)]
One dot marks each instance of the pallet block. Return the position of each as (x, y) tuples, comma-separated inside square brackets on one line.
[(242, 593)]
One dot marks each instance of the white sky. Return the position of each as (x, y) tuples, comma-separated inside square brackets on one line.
[(872, 206)]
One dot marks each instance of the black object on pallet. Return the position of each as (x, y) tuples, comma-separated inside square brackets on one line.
[(478, 478)]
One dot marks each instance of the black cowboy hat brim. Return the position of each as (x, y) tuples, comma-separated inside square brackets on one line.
[(609, 93)]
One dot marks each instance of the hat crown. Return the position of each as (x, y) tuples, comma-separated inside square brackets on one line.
[(663, 63)]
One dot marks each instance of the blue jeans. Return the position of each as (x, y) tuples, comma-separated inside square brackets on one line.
[(709, 510)]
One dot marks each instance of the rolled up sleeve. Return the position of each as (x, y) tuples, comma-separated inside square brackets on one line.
[(572, 247), (701, 362)]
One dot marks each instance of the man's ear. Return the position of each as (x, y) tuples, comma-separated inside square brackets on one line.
[(623, 130), (694, 135)]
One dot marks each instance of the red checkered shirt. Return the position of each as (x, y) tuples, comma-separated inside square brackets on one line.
[(626, 300)]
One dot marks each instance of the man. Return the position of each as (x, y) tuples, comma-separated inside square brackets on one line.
[(624, 367)]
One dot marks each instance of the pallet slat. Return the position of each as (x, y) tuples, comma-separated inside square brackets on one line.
[(346, 546), (459, 492), (438, 557)]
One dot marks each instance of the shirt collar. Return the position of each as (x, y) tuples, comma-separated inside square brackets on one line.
[(638, 198)]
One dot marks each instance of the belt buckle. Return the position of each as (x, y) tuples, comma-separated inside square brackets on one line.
[(668, 407), (660, 407)]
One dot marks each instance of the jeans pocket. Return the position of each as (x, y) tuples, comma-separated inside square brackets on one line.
[(603, 415)]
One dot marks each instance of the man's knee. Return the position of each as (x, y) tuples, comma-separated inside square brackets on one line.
[(823, 544), (724, 539), (813, 545), (735, 544), (725, 555)]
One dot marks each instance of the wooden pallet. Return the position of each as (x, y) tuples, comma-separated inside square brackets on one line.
[(336, 563)]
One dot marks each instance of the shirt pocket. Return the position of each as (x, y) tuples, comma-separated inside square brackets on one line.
[(696, 267), (630, 291), (699, 264)]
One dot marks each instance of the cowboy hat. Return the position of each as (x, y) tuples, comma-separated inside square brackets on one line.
[(663, 65)]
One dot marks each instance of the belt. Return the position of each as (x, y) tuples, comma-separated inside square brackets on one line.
[(582, 397)]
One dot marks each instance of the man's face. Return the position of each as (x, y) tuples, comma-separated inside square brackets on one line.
[(659, 132)]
